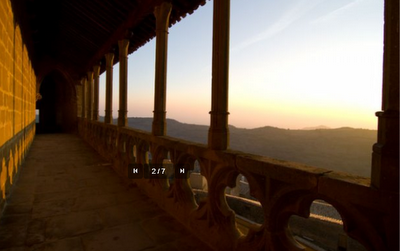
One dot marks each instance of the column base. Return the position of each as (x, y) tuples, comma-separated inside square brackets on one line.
[(385, 156), (108, 119), (218, 134), (96, 115), (122, 118), (218, 139), (159, 126)]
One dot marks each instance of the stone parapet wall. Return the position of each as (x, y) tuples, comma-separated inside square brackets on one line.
[(282, 188), (17, 99)]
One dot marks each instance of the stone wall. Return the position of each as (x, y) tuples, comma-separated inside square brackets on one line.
[(17, 99)]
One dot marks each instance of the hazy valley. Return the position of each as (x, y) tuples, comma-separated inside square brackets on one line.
[(342, 149)]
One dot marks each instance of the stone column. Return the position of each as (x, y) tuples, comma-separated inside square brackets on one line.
[(83, 81), (96, 72), (162, 13), (385, 156), (218, 135), (89, 107), (123, 82), (109, 90)]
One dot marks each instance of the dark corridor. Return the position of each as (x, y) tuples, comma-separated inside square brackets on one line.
[(57, 107)]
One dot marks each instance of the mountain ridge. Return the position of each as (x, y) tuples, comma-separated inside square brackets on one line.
[(342, 149)]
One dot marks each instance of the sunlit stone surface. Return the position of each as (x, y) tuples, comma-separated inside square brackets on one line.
[(68, 198)]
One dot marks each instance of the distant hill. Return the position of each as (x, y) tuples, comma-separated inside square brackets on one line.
[(342, 149), (316, 127)]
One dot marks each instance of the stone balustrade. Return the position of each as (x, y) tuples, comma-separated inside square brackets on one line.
[(283, 189)]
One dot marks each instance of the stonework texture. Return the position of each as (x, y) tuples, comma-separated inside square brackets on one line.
[(17, 99), (69, 198)]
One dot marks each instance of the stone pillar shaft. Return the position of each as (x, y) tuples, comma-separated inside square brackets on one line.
[(218, 135), (162, 14), (89, 107), (385, 156), (109, 87), (96, 72), (123, 82)]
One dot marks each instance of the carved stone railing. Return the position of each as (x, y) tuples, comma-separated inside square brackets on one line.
[(283, 188)]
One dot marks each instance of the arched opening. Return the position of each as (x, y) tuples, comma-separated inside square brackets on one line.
[(198, 183), (322, 230), (248, 209), (57, 107)]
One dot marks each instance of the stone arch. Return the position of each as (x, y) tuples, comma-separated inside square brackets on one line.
[(57, 107)]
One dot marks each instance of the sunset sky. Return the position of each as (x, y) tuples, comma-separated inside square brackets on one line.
[(293, 64)]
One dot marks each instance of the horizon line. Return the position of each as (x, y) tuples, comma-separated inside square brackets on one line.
[(307, 128)]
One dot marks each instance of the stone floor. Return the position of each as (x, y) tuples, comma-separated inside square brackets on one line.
[(68, 198)]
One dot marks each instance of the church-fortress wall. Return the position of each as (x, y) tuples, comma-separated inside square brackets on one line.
[(17, 100)]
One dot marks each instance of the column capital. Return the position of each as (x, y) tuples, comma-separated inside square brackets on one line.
[(162, 13), (96, 70), (83, 80), (89, 75), (109, 59), (123, 46)]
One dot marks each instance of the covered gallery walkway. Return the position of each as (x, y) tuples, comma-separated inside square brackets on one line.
[(65, 196), (69, 198)]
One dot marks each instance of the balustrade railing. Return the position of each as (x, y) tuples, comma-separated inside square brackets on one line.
[(282, 188)]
